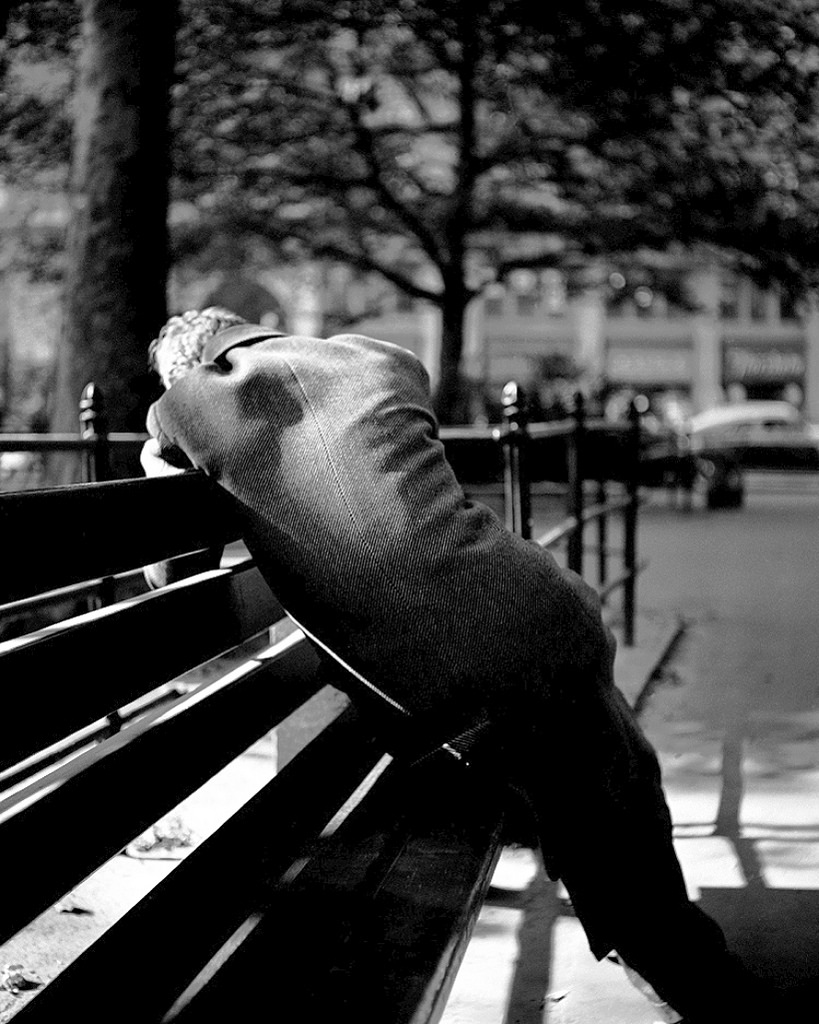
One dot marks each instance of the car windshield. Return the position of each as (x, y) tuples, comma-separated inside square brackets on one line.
[(769, 414)]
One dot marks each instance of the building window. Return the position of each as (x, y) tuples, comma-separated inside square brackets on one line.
[(788, 304), (493, 305), (527, 305), (759, 303), (729, 298)]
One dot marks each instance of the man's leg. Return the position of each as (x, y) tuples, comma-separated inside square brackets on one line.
[(593, 783)]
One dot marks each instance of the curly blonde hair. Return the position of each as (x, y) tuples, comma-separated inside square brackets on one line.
[(178, 346)]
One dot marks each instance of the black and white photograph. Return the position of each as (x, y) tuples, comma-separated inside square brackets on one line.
[(409, 511)]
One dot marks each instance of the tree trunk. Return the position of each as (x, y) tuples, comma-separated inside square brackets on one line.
[(452, 397), (115, 284), (451, 400)]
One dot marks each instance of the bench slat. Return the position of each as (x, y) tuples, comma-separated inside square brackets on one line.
[(375, 926), (112, 792), (402, 958), (187, 918), (177, 628), (64, 535)]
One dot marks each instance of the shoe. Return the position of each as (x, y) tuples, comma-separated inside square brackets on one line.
[(666, 1013)]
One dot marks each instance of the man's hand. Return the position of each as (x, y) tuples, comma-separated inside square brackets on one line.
[(153, 463), (162, 573)]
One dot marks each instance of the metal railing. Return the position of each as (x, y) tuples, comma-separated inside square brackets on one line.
[(588, 498), (93, 440), (95, 444)]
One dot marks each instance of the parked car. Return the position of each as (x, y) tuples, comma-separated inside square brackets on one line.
[(763, 435), (725, 441)]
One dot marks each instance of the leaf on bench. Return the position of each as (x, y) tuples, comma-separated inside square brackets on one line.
[(70, 905), (15, 978), (167, 839)]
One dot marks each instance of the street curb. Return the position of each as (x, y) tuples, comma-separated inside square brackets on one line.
[(664, 654), (637, 668)]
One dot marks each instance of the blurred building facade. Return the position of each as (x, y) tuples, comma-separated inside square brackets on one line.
[(734, 340)]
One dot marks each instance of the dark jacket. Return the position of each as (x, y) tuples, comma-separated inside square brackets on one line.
[(331, 451)]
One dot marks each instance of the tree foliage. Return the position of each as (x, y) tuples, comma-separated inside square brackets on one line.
[(37, 65), (442, 144), (37, 62)]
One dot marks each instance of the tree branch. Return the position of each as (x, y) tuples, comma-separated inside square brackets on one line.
[(375, 180)]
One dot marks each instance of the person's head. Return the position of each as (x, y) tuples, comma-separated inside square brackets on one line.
[(179, 344)]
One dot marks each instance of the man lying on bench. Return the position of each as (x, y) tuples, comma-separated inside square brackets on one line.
[(329, 449)]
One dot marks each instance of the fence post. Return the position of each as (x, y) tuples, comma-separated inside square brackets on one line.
[(633, 447), (602, 537), (574, 554), (94, 428), (517, 493), (97, 468)]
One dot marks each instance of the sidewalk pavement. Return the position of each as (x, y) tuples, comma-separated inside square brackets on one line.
[(508, 974)]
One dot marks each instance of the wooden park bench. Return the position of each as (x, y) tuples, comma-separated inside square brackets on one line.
[(346, 888), (347, 885)]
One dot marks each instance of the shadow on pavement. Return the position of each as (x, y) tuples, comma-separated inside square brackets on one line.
[(773, 930), (767, 828)]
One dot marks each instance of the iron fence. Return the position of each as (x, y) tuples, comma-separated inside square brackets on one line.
[(594, 490)]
